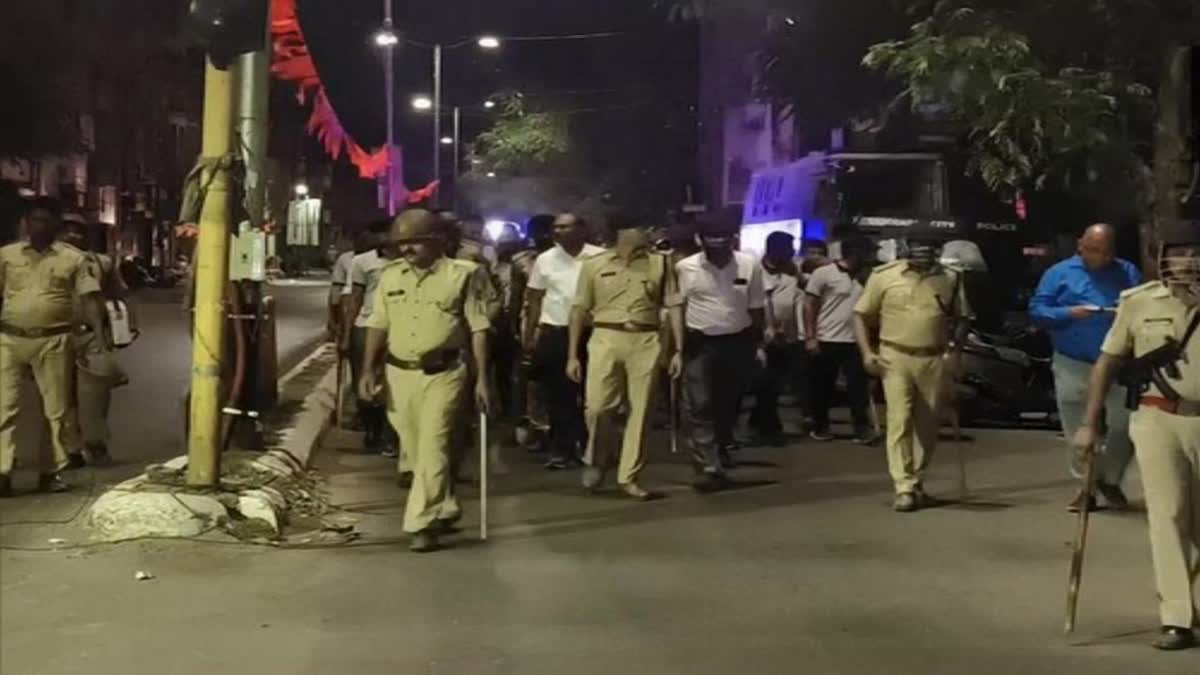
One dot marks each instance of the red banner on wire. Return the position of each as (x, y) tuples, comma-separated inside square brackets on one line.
[(291, 61)]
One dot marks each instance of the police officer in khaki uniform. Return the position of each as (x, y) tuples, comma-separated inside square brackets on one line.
[(1157, 324), (430, 319), (919, 310), (622, 292), (97, 372), (40, 282)]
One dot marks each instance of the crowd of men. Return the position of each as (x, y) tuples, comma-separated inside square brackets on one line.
[(573, 338), (603, 324), (598, 325)]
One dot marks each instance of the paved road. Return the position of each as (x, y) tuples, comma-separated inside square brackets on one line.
[(803, 571), (147, 415)]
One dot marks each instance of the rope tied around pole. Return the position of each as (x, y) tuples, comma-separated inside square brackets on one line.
[(198, 182)]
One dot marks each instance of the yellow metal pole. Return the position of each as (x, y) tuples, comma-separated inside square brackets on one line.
[(212, 263)]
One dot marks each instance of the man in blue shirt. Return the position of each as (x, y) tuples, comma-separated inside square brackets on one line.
[(1076, 302)]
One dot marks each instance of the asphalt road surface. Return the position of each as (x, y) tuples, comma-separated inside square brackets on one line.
[(804, 570)]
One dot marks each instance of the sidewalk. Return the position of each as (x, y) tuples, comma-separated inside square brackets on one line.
[(803, 569)]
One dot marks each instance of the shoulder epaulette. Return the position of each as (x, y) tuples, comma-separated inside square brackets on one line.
[(1148, 286)]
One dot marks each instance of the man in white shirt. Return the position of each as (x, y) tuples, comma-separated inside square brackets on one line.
[(549, 296), (783, 341), (833, 290), (358, 300), (723, 298), (337, 287)]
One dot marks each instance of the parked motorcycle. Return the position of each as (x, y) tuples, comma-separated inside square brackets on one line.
[(1007, 379)]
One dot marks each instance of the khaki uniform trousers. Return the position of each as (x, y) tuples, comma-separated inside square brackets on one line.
[(424, 410), (1168, 453), (51, 361), (912, 386), (93, 399), (622, 368)]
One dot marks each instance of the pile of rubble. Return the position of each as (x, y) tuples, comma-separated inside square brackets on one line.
[(257, 494)]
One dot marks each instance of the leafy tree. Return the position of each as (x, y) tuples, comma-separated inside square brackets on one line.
[(522, 142), (1025, 123), (1058, 93)]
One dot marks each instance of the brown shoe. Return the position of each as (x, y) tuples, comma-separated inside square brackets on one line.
[(906, 502), (1174, 639), (636, 491)]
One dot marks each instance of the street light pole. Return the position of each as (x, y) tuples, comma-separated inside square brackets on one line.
[(437, 121), (389, 77), (457, 151)]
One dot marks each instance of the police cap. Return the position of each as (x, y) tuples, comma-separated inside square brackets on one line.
[(416, 225)]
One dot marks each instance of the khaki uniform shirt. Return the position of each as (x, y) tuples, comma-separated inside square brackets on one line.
[(472, 251), (914, 310), (428, 310), (615, 290), (39, 290), (1146, 316), (100, 266)]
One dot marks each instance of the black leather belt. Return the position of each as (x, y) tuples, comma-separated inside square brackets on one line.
[(34, 333), (430, 364), (627, 327)]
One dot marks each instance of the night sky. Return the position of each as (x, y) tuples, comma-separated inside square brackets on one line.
[(649, 74)]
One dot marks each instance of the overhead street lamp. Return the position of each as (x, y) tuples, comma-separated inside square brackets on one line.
[(386, 37), (422, 103), (446, 140), (489, 104), (486, 42), (302, 190)]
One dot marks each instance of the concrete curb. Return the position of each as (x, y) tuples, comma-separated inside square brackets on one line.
[(315, 417), (146, 507)]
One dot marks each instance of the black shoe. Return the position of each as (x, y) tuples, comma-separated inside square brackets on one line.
[(725, 453), (405, 480), (822, 436), (96, 454), (709, 481), (75, 461), (556, 464), (1113, 496), (390, 452), (1175, 639), (5, 486), (1082, 498), (444, 528), (52, 483), (424, 541)]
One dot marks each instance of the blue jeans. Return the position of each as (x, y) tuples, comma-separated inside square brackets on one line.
[(1116, 450)]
